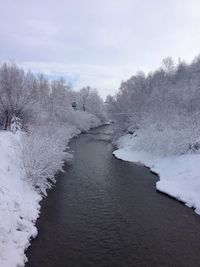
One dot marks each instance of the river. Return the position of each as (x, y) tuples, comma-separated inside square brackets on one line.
[(107, 212)]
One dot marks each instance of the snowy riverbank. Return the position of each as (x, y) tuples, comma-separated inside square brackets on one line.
[(179, 175), (19, 204), (19, 200)]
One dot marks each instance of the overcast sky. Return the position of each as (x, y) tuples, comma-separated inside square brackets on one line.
[(98, 43)]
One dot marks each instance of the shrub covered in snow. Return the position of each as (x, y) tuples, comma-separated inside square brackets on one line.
[(43, 154), (84, 120), (44, 149)]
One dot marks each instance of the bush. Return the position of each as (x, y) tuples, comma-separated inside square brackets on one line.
[(43, 154)]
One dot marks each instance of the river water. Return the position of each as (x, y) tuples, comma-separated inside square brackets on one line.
[(107, 212)]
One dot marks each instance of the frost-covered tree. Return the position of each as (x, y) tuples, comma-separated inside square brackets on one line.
[(163, 107), (44, 110), (60, 99), (16, 92), (89, 100)]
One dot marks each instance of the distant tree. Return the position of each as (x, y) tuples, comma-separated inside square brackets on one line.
[(168, 65), (60, 100), (83, 96), (89, 100)]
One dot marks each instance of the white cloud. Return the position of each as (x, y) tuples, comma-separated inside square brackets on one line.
[(105, 78), (101, 42)]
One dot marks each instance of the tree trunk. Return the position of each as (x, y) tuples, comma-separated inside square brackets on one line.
[(8, 118)]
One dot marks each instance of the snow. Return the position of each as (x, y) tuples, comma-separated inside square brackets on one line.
[(19, 205), (179, 175), (19, 200)]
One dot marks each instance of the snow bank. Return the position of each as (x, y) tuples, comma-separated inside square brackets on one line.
[(19, 199), (179, 175), (19, 205)]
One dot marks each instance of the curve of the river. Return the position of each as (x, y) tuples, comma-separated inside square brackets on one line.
[(107, 212)]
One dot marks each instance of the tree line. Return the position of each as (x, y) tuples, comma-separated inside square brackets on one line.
[(162, 107), (44, 115), (32, 99)]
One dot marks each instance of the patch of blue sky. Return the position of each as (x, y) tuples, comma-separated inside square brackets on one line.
[(71, 79)]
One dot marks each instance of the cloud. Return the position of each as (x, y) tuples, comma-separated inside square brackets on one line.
[(98, 42), (104, 78)]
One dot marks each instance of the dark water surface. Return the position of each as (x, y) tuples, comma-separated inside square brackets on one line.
[(106, 212)]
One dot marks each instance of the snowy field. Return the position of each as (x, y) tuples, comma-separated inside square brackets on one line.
[(19, 200), (179, 175)]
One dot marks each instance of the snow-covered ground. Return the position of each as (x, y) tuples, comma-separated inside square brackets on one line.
[(19, 204), (179, 175), (19, 200)]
